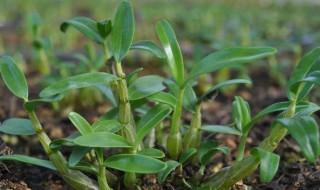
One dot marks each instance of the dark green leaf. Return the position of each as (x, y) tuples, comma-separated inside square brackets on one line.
[(13, 77), (301, 71), (104, 28), (77, 154), (76, 82), (152, 152), (221, 85), (220, 129), (135, 163), (208, 149), (164, 97), (145, 86), (171, 47), (134, 75), (122, 31), (229, 57), (190, 98), (150, 120), (187, 155), (304, 130), (86, 26), (150, 47), (269, 163), (28, 160), (171, 166), (85, 167), (102, 140), (68, 141), (17, 126), (80, 123)]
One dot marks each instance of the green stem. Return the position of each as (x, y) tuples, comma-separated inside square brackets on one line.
[(192, 138), (75, 179), (102, 178), (174, 141), (224, 179), (241, 147)]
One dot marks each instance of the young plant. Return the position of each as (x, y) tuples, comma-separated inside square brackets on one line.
[(213, 62), (295, 118)]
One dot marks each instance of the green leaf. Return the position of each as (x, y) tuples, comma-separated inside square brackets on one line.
[(171, 47), (229, 57), (77, 154), (102, 140), (221, 85), (32, 104), (68, 141), (171, 166), (86, 26), (28, 160), (221, 129), (134, 75), (164, 97), (305, 85), (187, 155), (301, 71), (106, 125), (305, 131), (241, 114), (149, 47), (13, 77), (269, 163), (145, 86), (104, 28), (150, 120), (208, 149), (122, 31), (189, 99), (76, 82), (152, 152), (80, 123), (135, 163), (86, 167), (17, 126)]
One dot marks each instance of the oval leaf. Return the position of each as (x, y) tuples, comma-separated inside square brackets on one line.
[(122, 31), (135, 163), (102, 140), (13, 77), (86, 26), (76, 82), (152, 152), (145, 86), (171, 47), (229, 57), (17, 126)]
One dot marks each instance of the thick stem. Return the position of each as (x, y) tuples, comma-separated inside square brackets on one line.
[(192, 137), (241, 147), (102, 178), (224, 179), (75, 179), (174, 141)]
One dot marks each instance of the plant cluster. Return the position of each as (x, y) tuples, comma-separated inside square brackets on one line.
[(134, 127)]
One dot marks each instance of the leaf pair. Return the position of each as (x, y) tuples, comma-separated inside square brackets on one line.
[(241, 114)]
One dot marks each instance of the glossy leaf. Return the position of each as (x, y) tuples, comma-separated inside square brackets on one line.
[(185, 156), (135, 163), (145, 86), (269, 163), (221, 85), (150, 120), (77, 154), (13, 77), (171, 166), (86, 26), (122, 31), (164, 97), (152, 152), (241, 114), (102, 125), (17, 126), (220, 129), (80, 123), (301, 71), (76, 82), (28, 160), (229, 57), (102, 140), (305, 131), (149, 46), (172, 50)]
